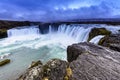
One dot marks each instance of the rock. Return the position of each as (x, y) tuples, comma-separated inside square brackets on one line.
[(34, 73), (4, 62), (98, 31), (35, 63), (3, 33), (93, 62), (55, 69), (112, 41)]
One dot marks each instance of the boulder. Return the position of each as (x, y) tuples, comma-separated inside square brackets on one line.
[(54, 69), (98, 31), (112, 41), (93, 62), (4, 62)]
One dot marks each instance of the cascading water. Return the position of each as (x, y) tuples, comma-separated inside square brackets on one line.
[(23, 31), (27, 44)]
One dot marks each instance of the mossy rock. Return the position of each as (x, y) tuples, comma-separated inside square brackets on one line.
[(35, 63), (3, 33), (4, 62), (101, 41), (98, 31)]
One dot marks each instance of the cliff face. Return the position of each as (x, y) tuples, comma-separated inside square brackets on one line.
[(94, 62), (86, 61)]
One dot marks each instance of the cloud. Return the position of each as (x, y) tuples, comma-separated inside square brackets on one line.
[(52, 10)]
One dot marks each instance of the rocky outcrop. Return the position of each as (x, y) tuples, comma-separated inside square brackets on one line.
[(55, 69), (98, 31), (112, 41), (86, 61), (93, 62), (4, 62)]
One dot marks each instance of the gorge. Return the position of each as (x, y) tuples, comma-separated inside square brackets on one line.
[(30, 43)]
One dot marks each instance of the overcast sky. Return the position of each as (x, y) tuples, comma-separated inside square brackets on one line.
[(52, 10)]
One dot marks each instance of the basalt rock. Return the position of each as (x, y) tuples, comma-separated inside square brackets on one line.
[(98, 31), (112, 41), (93, 62)]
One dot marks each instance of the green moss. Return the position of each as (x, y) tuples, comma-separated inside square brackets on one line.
[(3, 33), (4, 62), (46, 71), (66, 78), (101, 41)]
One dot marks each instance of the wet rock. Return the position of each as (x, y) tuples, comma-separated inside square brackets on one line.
[(112, 41), (4, 62), (98, 31), (94, 62)]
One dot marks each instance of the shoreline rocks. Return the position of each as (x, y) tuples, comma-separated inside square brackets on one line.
[(54, 69)]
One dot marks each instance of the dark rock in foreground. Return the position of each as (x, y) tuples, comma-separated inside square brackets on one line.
[(98, 31), (93, 62), (4, 62), (112, 41), (53, 70)]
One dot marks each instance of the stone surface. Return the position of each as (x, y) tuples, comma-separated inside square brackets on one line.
[(94, 62), (98, 31), (112, 41), (55, 69)]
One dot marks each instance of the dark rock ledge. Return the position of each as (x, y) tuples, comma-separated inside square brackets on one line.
[(86, 61), (111, 41)]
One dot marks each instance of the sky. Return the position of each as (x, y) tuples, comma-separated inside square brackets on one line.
[(58, 10)]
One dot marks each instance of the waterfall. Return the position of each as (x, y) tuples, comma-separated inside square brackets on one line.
[(78, 33), (33, 30)]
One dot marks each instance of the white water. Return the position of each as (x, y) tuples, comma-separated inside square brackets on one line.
[(96, 39), (25, 45)]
